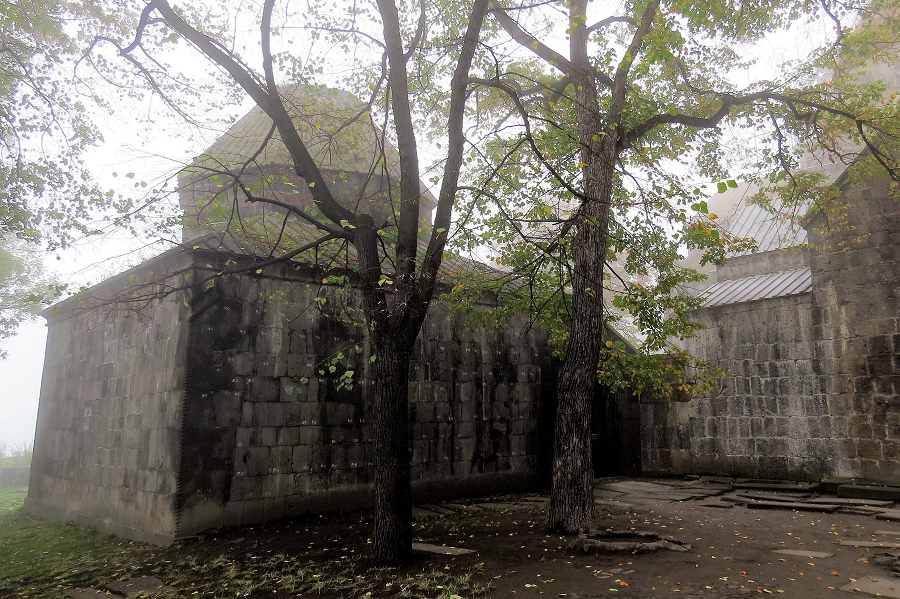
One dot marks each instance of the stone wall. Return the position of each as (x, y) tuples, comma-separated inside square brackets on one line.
[(815, 378), (769, 419), (856, 287), (106, 444), (232, 404), (266, 434)]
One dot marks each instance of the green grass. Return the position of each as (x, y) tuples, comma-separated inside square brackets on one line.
[(15, 457), (39, 558), (16, 461)]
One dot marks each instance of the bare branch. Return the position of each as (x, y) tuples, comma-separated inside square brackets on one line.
[(266, 43), (453, 165), (609, 21), (420, 31), (269, 101), (621, 77), (334, 230), (410, 190)]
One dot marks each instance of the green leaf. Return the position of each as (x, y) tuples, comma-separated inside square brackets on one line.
[(722, 186)]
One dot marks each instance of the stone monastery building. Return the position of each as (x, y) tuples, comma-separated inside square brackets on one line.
[(162, 415)]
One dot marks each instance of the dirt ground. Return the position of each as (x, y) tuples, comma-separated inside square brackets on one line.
[(732, 550)]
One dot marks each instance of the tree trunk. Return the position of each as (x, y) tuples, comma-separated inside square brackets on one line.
[(572, 482), (393, 497)]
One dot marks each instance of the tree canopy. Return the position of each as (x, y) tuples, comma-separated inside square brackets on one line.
[(46, 191)]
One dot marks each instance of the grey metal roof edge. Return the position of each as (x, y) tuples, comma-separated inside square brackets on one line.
[(766, 286)]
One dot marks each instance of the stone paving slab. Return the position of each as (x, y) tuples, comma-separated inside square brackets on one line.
[(848, 501), (795, 505), (440, 549), (776, 486), (135, 586), (889, 514), (804, 553), (719, 504), (869, 492), (880, 587), (885, 544), (460, 507), (613, 503), (438, 509), (420, 512), (887, 533), (648, 491), (607, 492), (764, 496), (860, 510), (502, 506), (735, 499), (87, 594)]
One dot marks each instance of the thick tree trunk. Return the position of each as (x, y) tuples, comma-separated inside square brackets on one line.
[(393, 497), (572, 482)]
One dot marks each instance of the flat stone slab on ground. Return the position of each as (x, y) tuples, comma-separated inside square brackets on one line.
[(660, 492), (719, 504), (869, 492), (607, 493), (884, 544), (881, 587), (860, 510), (775, 486), (889, 514), (887, 533), (771, 496), (503, 506), (440, 549), (637, 486), (848, 501), (717, 480), (133, 586), (86, 593), (420, 512), (460, 507), (613, 503), (735, 499), (793, 505), (804, 553), (439, 509)]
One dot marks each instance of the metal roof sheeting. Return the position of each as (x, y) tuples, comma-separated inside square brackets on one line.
[(778, 284), (770, 231)]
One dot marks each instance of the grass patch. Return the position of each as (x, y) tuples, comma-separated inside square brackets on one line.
[(40, 558), (15, 457)]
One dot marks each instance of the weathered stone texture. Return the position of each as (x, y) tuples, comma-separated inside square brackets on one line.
[(233, 404), (106, 446), (856, 288), (270, 430), (769, 419), (815, 378)]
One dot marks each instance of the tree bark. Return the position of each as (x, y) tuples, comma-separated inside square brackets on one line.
[(393, 497), (572, 482)]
